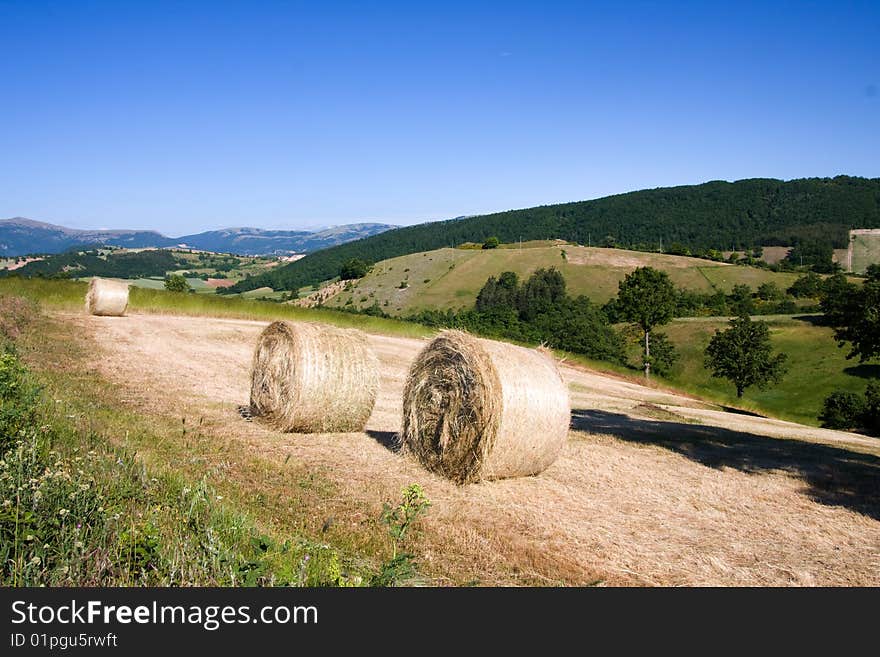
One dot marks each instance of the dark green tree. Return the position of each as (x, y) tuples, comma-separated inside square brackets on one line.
[(577, 325), (491, 243), (663, 353), (176, 283), (842, 410), (741, 299), (647, 298), (744, 354), (836, 298), (499, 293), (855, 314), (815, 254), (769, 292), (806, 287), (541, 293), (353, 269)]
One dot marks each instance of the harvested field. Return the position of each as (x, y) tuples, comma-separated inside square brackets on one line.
[(652, 488), (220, 282)]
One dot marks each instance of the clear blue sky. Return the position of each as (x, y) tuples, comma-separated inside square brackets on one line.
[(183, 116)]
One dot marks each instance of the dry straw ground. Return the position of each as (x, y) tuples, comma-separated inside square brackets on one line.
[(651, 487)]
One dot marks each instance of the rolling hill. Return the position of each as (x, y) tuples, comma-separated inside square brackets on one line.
[(451, 278), (717, 215), (19, 236)]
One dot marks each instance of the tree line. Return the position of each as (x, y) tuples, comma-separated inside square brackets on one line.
[(717, 216)]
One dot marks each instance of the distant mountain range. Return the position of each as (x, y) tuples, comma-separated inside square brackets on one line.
[(19, 236)]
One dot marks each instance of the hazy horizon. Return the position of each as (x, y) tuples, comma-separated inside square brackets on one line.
[(185, 118), (315, 227)]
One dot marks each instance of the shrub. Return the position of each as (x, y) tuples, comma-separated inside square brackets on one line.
[(176, 283), (769, 292), (871, 416), (491, 243), (842, 410), (808, 286)]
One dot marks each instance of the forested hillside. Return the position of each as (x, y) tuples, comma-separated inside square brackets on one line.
[(126, 264), (714, 215)]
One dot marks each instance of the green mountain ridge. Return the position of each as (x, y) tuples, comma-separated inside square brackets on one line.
[(713, 215)]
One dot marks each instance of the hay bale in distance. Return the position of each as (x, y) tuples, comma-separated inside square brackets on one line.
[(478, 409), (107, 298), (312, 378)]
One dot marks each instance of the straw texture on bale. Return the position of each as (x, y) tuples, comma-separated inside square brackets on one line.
[(108, 298), (312, 378), (477, 409)]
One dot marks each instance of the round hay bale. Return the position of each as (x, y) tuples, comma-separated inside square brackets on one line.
[(477, 409), (311, 378), (107, 298)]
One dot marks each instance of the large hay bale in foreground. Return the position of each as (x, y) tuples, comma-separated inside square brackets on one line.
[(477, 409), (107, 298), (311, 378)]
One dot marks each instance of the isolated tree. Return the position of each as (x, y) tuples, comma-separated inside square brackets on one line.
[(353, 268), (744, 354), (491, 243), (647, 298), (176, 283)]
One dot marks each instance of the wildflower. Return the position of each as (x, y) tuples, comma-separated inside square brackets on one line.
[(35, 561), (63, 512), (29, 537), (78, 544)]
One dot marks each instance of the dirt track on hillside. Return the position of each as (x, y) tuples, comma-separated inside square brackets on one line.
[(652, 487)]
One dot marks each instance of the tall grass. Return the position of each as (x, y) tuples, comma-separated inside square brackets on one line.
[(70, 295)]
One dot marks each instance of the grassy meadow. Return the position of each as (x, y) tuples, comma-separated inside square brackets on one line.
[(816, 367), (451, 278), (70, 296)]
